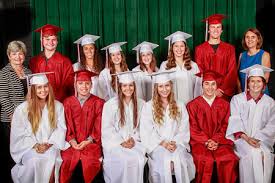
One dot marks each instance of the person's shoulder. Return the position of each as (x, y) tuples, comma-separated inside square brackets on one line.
[(69, 99), (221, 100), (64, 58), (58, 104), (196, 102), (269, 99), (227, 45), (137, 68), (202, 45), (96, 99), (23, 107)]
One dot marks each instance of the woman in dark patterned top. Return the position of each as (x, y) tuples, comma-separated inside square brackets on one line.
[(13, 89)]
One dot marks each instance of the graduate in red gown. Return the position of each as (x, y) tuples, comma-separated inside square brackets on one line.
[(208, 116), (218, 56), (49, 60), (83, 117)]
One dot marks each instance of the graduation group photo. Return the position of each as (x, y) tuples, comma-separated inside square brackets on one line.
[(137, 91)]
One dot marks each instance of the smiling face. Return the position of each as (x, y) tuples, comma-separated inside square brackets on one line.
[(16, 57), (215, 31), (128, 89), (146, 58), (83, 88), (42, 91), (178, 48), (89, 51), (209, 88), (251, 40), (255, 85), (116, 58), (50, 42), (164, 89)]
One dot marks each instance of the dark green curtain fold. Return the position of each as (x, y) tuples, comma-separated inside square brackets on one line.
[(139, 20)]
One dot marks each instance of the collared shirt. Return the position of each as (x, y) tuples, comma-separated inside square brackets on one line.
[(83, 99), (249, 97), (209, 101)]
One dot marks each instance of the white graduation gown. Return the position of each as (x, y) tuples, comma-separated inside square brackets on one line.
[(32, 166), (143, 83), (256, 120), (121, 165), (187, 85), (95, 90), (105, 84), (160, 158)]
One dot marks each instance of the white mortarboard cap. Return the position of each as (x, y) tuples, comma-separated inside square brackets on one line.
[(87, 39), (37, 78), (126, 77), (144, 47), (178, 36), (162, 76), (256, 70), (112, 48)]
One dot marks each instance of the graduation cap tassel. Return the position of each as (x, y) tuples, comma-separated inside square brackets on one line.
[(106, 61), (78, 53), (41, 41), (206, 30), (138, 51)]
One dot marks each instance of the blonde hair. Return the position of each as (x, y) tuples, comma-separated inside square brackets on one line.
[(35, 111), (158, 110), (15, 46)]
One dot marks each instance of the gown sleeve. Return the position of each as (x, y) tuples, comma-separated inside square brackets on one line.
[(22, 138), (57, 138)]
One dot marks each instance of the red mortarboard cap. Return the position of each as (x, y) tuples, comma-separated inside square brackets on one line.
[(48, 29), (209, 75), (84, 75), (214, 19)]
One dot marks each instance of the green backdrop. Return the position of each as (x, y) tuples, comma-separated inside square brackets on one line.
[(135, 21)]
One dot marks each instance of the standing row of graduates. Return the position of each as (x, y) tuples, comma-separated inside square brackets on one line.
[(129, 128)]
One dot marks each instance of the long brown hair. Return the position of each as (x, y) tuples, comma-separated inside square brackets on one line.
[(98, 65), (123, 65), (121, 106), (35, 111), (158, 110), (153, 63), (186, 58)]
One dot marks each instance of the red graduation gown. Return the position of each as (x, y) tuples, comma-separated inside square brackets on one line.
[(62, 79), (82, 122), (222, 61), (210, 122)]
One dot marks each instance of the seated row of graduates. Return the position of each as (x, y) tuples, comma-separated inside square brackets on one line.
[(45, 147)]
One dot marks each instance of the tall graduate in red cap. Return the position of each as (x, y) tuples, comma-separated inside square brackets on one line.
[(51, 60), (83, 117), (218, 56), (208, 116)]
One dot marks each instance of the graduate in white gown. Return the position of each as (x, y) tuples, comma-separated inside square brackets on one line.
[(89, 59), (147, 64), (252, 128), (187, 85), (164, 131), (124, 156), (37, 135), (115, 63)]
